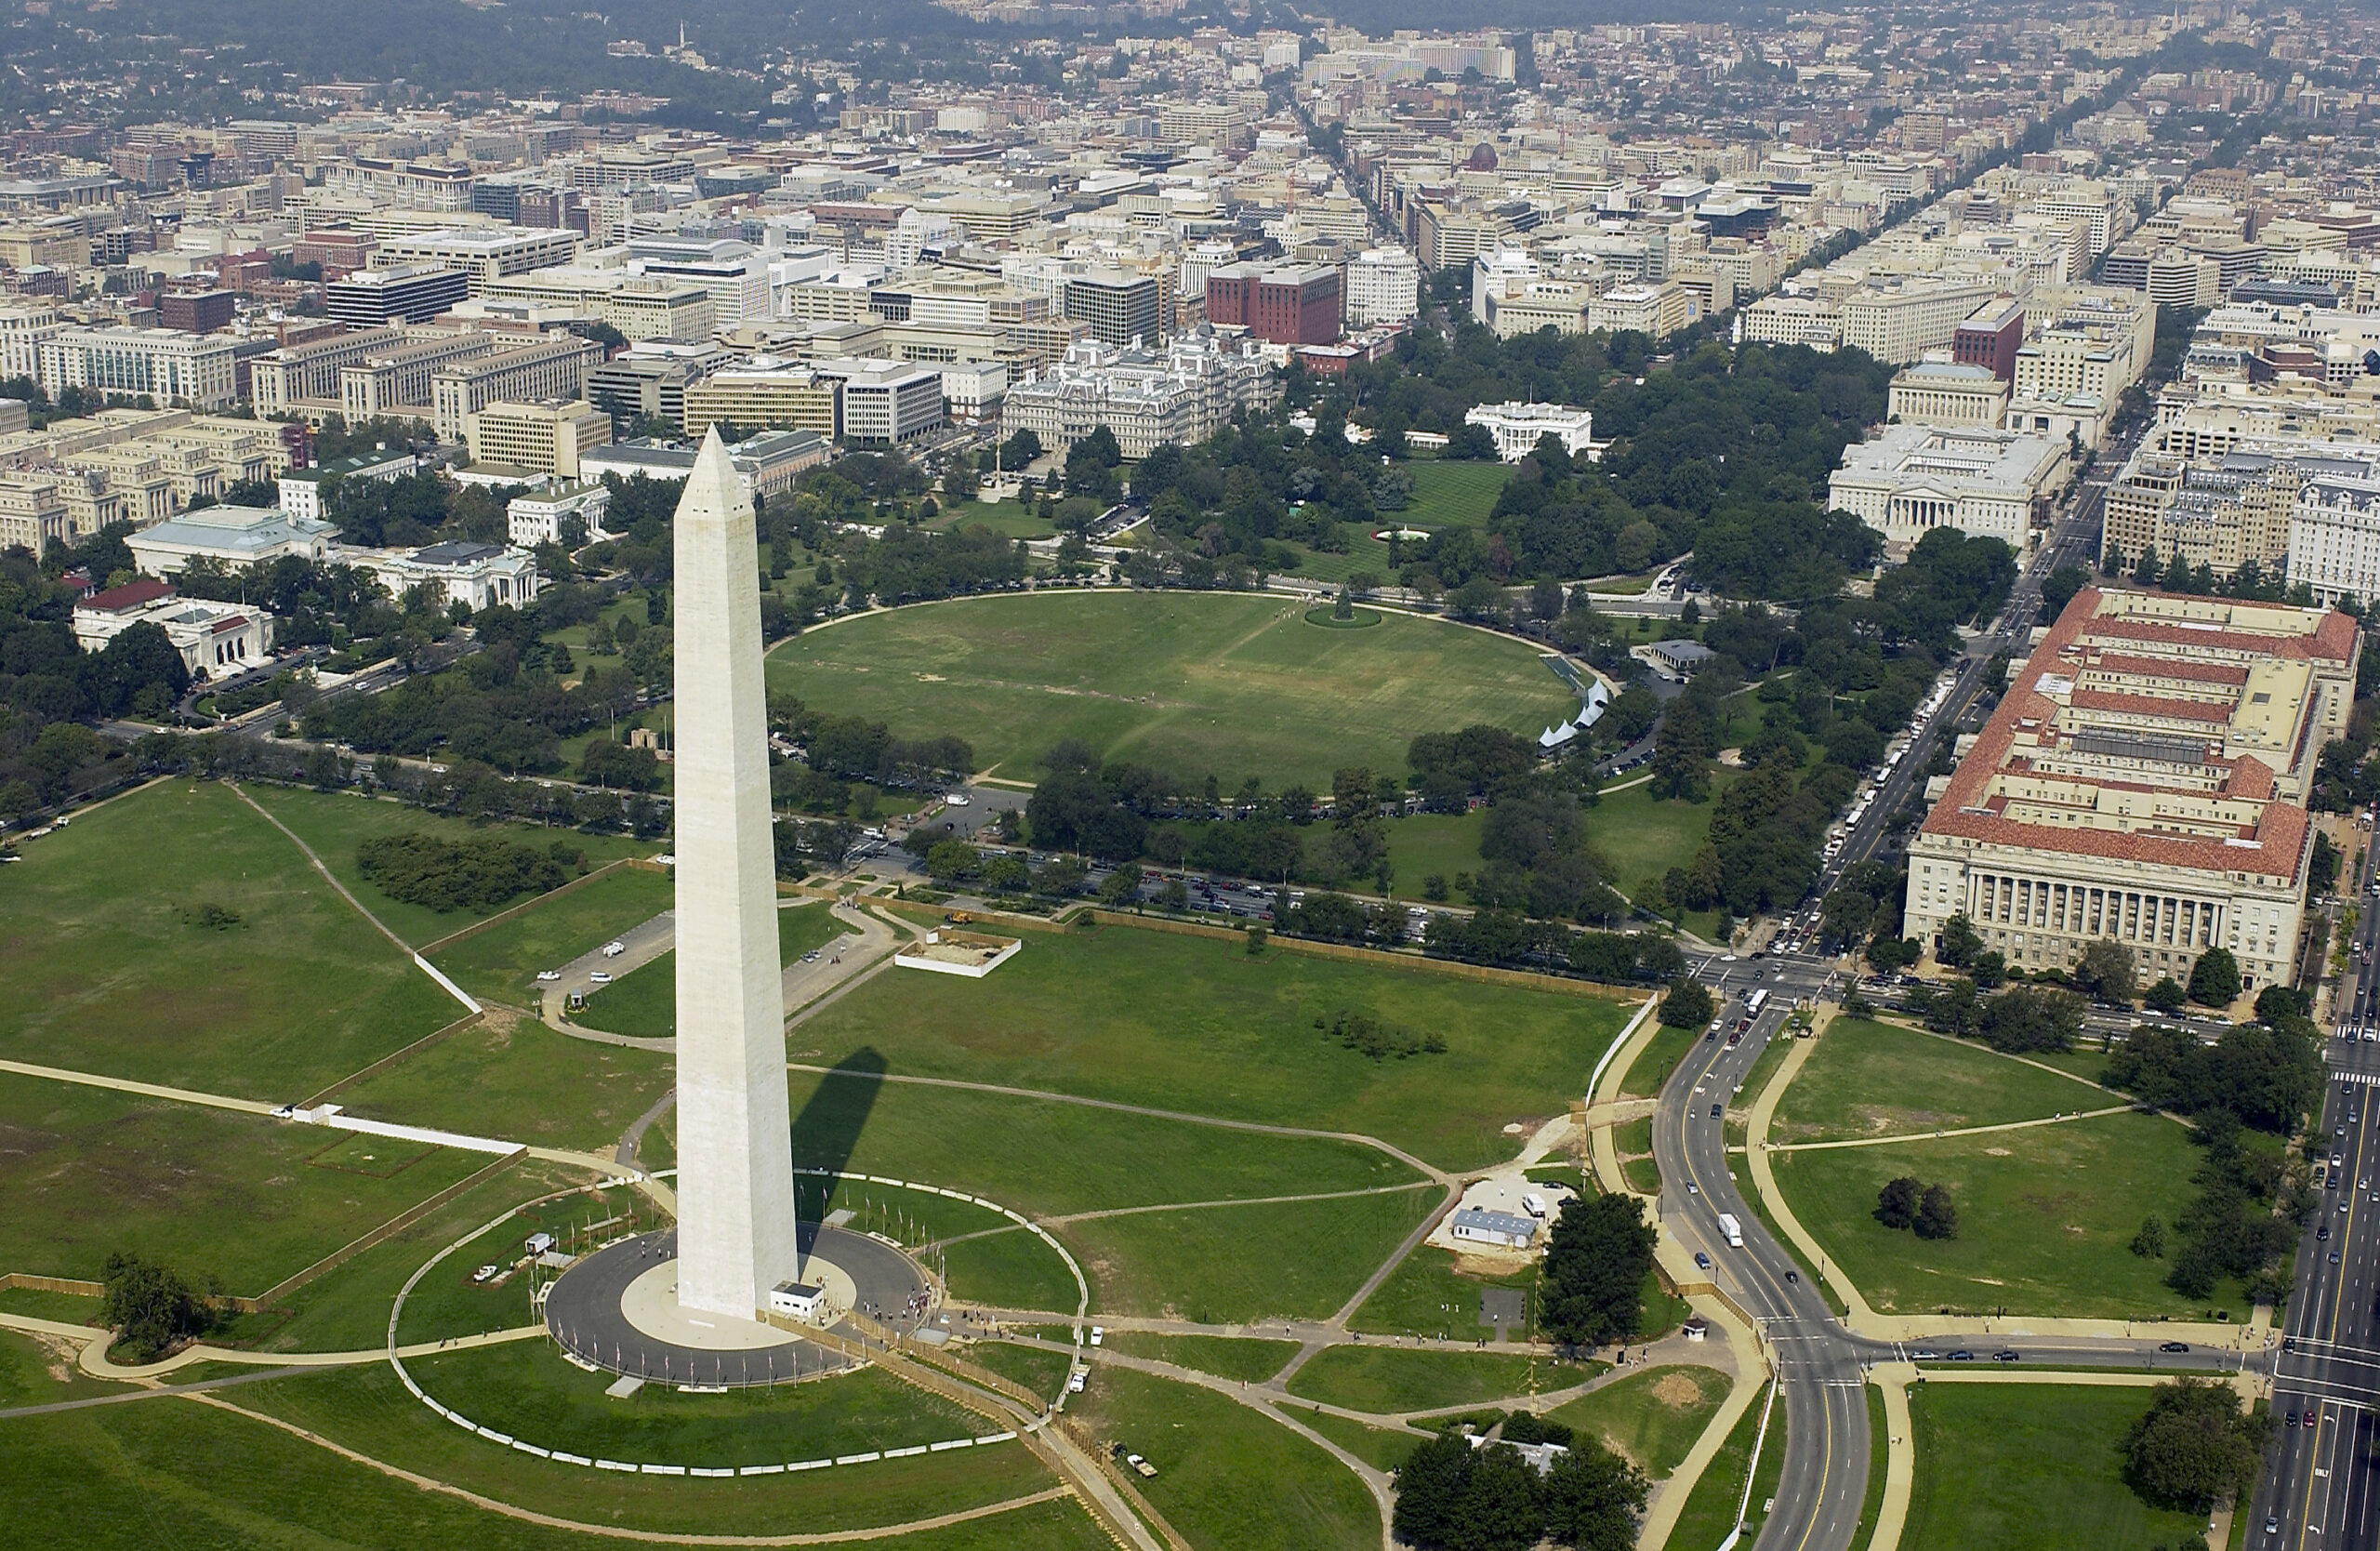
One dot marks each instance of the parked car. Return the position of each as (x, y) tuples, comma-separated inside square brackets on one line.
[(599, 978)]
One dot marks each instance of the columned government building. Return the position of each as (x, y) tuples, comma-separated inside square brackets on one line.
[(2145, 781)]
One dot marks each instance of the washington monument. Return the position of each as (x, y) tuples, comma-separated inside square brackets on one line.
[(735, 1219)]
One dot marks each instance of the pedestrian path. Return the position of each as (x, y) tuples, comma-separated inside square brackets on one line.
[(1957, 1130)]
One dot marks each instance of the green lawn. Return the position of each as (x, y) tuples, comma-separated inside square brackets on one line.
[(1238, 1264), (1872, 1080), (1227, 684), (1009, 519), (1451, 495), (1709, 1510), (345, 1309), (1195, 1024), (501, 961), (1425, 1295), (35, 1373), (514, 1078), (367, 1408), (107, 969), (1041, 1371), (1041, 1157), (197, 1479), (526, 1389), (1222, 1356), (334, 824), (644, 1001), (1642, 836), (2046, 1217), (1440, 843), (1657, 1060), (1653, 1416), (1871, 1507), (1388, 1380), (2028, 1468), (1010, 1269), (1227, 1475), (213, 1193), (446, 1302), (1382, 1448)]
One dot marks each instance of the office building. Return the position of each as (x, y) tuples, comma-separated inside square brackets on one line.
[(1987, 483), (886, 401), (197, 311), (301, 490), (405, 293), (2334, 530), (555, 367), (1182, 394), (549, 437), (1297, 305), (1120, 308), (765, 394), (169, 366), (1991, 336), (2143, 781), (1898, 318), (234, 536), (213, 638), (1384, 286), (484, 255), (1938, 393), (280, 380)]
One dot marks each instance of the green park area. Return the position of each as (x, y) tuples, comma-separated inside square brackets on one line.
[(2029, 1468), (174, 936), (1227, 1477), (1387, 1381), (218, 1194), (1009, 519), (643, 1002), (1227, 684), (500, 960), (2046, 1217), (1642, 836), (1652, 1416), (96, 1479), (1426, 1295), (1227, 1357), (1233, 1264), (1199, 1025), (1865, 1080), (334, 824), (1451, 495), (513, 1077)]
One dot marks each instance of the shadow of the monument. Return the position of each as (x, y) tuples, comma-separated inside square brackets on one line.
[(828, 1131)]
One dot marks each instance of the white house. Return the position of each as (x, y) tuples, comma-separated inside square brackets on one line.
[(1516, 428)]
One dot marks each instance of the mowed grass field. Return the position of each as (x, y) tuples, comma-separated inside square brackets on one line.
[(1227, 684), (1240, 1265), (1226, 1476), (100, 1480), (1451, 495), (1867, 1079), (1642, 836), (1196, 1025), (2029, 1468), (335, 824), (1652, 1417), (2046, 1218), (514, 1078), (87, 1171), (107, 969)]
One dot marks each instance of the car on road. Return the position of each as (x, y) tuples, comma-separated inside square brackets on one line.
[(613, 948), (1701, 1261), (1717, 1111), (2322, 1233), (811, 957), (1963, 1355), (2175, 1346), (2293, 1419), (2005, 1356), (1923, 1356), (2334, 1257), (549, 974), (1694, 1189), (599, 978), (2272, 1524), (1794, 1276)]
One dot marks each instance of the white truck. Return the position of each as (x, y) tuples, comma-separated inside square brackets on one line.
[(1733, 1229)]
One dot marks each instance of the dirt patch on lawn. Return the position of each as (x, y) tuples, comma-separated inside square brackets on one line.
[(1677, 1391)]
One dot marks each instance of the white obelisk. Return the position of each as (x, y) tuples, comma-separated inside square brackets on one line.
[(735, 1221)]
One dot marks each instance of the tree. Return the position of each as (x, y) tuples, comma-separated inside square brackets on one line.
[(2214, 979), (2275, 1002), (2194, 1447), (2031, 1018), (1896, 1202), (1959, 942), (2165, 997), (1120, 887), (2150, 1242), (1593, 1498), (149, 1306), (1430, 1490), (2105, 970), (1596, 1261), (1936, 1217), (1687, 1005)]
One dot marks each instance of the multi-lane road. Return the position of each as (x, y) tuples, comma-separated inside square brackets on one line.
[(2318, 1490)]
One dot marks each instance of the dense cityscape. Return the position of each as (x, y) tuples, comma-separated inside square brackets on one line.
[(1603, 782)]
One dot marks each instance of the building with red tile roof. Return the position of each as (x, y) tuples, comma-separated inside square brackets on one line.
[(2144, 779)]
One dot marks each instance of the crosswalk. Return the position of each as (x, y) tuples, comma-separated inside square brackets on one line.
[(2368, 1079)]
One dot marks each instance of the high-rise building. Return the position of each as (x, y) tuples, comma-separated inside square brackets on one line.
[(547, 438), (1384, 286), (1282, 306), (1990, 338), (1120, 308), (405, 293), (161, 363)]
